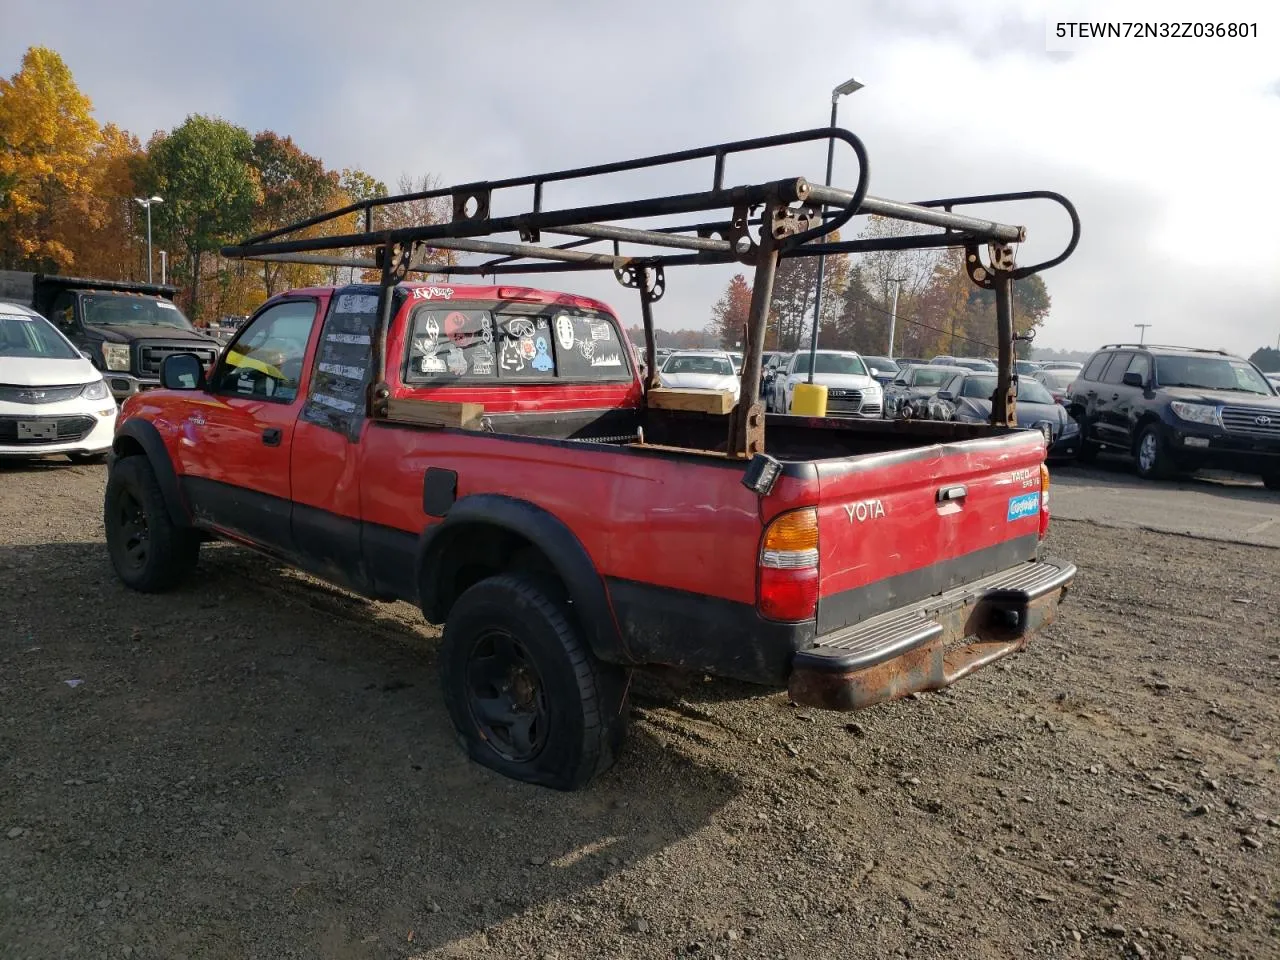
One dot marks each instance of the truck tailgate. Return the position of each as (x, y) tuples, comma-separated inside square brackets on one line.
[(897, 527)]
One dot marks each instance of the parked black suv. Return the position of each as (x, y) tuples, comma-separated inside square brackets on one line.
[(1176, 409), (127, 329)]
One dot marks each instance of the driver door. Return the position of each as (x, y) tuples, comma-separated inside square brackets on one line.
[(235, 448)]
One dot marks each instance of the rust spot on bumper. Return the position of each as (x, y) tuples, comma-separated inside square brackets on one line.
[(973, 635)]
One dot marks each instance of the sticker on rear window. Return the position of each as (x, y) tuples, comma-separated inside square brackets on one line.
[(1024, 506)]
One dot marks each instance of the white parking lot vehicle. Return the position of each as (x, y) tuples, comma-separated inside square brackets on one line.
[(52, 399)]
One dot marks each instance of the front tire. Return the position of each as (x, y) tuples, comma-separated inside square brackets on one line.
[(149, 552), (1152, 455), (526, 695)]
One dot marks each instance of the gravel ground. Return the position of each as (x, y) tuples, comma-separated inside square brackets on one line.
[(259, 766)]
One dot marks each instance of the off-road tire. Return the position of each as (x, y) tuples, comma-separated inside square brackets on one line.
[(583, 698), (153, 557)]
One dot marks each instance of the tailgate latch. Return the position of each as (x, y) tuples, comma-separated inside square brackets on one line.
[(956, 492)]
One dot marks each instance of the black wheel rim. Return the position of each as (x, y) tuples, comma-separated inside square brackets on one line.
[(506, 696), (132, 530)]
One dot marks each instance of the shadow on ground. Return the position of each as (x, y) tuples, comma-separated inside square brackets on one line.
[(259, 763)]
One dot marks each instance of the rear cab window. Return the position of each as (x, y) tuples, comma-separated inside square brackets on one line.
[(483, 343)]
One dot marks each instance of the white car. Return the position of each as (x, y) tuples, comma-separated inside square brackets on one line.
[(700, 370), (851, 389), (52, 399)]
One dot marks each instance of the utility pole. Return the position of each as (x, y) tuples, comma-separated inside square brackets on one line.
[(893, 314), (147, 202), (852, 85), (1142, 332)]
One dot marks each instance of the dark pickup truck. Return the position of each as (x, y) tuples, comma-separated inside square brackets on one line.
[(126, 329), (491, 454)]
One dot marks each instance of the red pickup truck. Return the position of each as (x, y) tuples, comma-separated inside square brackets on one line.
[(491, 454), (557, 547)]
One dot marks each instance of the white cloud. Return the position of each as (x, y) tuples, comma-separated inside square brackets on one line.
[(1166, 146)]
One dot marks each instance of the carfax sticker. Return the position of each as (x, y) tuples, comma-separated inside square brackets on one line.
[(1024, 506)]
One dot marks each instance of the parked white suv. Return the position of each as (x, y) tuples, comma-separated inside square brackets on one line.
[(52, 399), (851, 389)]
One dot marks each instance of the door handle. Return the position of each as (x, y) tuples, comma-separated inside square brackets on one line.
[(271, 436), (1115, 396)]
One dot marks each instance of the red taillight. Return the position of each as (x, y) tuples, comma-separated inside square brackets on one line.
[(1044, 501), (789, 567)]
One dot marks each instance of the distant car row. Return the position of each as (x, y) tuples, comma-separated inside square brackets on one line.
[(1172, 409)]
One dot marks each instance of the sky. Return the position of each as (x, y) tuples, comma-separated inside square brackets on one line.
[(1168, 147)]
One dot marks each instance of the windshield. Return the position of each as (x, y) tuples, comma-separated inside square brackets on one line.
[(881, 364), (26, 336), (1210, 373), (845, 363), (716, 366), (978, 388), (1030, 391), (926, 377), (975, 364), (115, 310), (1056, 379)]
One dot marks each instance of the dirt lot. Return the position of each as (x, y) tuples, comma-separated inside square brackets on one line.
[(260, 766)]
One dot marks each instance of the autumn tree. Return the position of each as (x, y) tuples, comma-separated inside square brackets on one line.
[(295, 186), (729, 315), (794, 289), (910, 270), (47, 137), (861, 323), (100, 222), (202, 169)]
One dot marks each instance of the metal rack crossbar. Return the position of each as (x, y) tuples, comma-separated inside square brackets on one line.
[(756, 224)]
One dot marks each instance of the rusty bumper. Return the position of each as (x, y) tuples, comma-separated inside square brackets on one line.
[(931, 644)]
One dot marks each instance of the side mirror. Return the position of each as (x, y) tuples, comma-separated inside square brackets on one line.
[(182, 371), (945, 395), (87, 355), (1133, 379)]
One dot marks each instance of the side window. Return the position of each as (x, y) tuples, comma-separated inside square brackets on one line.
[(1140, 364), (265, 361), (62, 312), (1093, 369), (1115, 370)]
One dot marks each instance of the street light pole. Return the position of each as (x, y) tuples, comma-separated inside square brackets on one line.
[(1142, 332), (852, 85), (893, 313), (147, 202), (164, 267)]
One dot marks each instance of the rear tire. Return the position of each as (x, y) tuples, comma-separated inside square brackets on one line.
[(150, 553), (1089, 449), (526, 695), (1151, 454), (1271, 480)]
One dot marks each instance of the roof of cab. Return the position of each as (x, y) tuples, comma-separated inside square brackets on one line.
[(446, 292)]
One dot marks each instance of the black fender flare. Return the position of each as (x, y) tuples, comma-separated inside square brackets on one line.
[(568, 557), (145, 434)]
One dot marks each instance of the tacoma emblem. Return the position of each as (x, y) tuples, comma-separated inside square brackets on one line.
[(864, 510)]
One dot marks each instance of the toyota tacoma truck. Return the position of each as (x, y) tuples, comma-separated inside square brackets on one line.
[(491, 454)]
